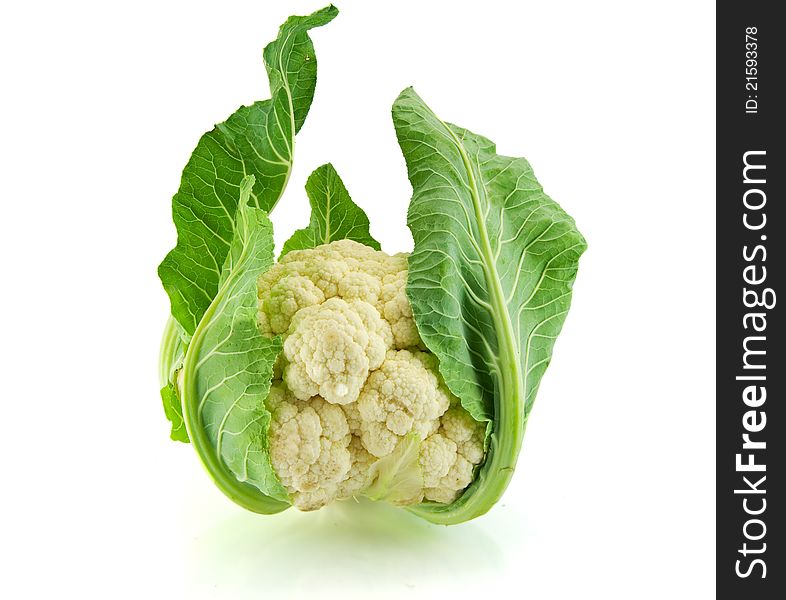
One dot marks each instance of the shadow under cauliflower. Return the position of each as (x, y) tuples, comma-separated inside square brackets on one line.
[(357, 402)]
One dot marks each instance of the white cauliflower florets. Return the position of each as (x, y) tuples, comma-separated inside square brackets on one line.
[(449, 457), (343, 269), (359, 475), (397, 310), (331, 347), (308, 447), (401, 396), (352, 384), (285, 299)]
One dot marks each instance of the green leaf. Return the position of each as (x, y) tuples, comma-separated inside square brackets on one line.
[(173, 345), (397, 478), (228, 369), (333, 214), (490, 283), (174, 412), (256, 140)]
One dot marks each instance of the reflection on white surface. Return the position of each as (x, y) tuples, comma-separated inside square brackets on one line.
[(344, 547)]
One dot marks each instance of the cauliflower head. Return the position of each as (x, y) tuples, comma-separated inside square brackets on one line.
[(358, 404)]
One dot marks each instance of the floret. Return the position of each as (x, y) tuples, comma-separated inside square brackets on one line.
[(397, 310), (331, 347), (449, 456), (308, 447), (284, 299), (359, 475), (343, 269), (401, 396)]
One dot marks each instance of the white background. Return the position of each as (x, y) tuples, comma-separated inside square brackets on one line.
[(612, 103)]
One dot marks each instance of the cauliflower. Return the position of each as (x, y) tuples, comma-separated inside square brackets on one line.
[(358, 406), (317, 378)]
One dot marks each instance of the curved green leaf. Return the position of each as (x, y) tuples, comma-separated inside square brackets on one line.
[(256, 140), (227, 372), (333, 214), (173, 345), (174, 413), (397, 478), (490, 283)]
